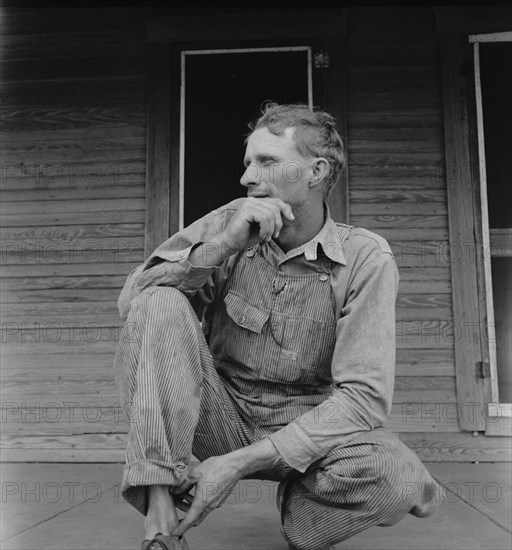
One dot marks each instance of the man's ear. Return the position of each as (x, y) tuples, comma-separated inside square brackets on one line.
[(319, 169)]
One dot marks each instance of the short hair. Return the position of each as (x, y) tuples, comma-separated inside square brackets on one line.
[(315, 134)]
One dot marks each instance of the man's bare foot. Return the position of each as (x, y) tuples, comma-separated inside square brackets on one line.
[(162, 516)]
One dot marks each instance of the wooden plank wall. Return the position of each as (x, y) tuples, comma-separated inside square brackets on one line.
[(397, 186), (73, 141), (72, 187)]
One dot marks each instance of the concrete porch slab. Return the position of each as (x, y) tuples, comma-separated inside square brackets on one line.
[(97, 518)]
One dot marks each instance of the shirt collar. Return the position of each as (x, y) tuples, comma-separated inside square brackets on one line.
[(328, 237)]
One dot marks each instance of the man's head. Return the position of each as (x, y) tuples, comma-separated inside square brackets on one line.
[(314, 135)]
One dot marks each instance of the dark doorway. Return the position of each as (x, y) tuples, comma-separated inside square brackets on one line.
[(223, 91), (496, 82)]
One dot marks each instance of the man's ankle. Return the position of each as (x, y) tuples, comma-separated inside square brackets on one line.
[(161, 516)]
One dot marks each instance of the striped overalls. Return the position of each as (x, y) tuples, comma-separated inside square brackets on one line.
[(265, 360)]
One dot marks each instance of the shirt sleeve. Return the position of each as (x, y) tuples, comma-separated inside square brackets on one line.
[(168, 265), (363, 368)]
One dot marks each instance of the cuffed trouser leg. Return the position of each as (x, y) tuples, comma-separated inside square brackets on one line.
[(374, 480), (178, 404)]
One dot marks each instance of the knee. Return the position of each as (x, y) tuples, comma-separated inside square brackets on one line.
[(165, 299), (405, 486), (160, 306)]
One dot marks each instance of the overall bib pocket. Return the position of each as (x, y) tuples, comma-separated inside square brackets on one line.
[(304, 350), (245, 329)]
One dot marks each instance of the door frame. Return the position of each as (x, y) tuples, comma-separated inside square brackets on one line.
[(183, 75), (324, 29), (498, 413), (454, 25)]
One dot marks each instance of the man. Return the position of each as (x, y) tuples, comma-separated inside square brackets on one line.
[(290, 376)]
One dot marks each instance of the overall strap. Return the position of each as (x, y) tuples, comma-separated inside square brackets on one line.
[(343, 233)]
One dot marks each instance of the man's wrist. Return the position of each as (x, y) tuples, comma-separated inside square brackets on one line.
[(258, 456), (211, 253)]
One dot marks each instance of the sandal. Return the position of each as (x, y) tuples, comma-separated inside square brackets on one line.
[(165, 542)]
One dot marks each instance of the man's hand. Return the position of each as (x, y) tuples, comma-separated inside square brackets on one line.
[(257, 219), (213, 479)]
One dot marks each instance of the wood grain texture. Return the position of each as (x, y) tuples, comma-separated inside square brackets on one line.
[(158, 175), (420, 222), (41, 117), (73, 146), (232, 25), (388, 122), (462, 230), (79, 269), (458, 447), (120, 89), (57, 365), (53, 282), (31, 235), (59, 295), (499, 426), (63, 68), (76, 195), (70, 417), (330, 93), (59, 19), (73, 45), (104, 455), (47, 252), (78, 218), (89, 119), (67, 340), (99, 151)]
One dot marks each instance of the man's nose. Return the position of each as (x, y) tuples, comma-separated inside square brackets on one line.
[(251, 176)]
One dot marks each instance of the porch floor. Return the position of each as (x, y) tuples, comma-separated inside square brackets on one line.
[(78, 506)]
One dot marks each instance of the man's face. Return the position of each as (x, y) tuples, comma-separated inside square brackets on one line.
[(274, 168)]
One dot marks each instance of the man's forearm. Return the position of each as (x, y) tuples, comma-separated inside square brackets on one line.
[(258, 456), (211, 253)]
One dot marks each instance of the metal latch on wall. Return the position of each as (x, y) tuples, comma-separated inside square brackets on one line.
[(483, 369), (321, 60)]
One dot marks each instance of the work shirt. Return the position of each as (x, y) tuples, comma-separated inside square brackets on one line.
[(316, 411)]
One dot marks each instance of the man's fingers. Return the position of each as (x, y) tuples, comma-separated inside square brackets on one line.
[(286, 209), (193, 517), (184, 487), (278, 223), (269, 214), (265, 220)]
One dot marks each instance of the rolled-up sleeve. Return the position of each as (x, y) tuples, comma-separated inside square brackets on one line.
[(168, 265), (363, 367)]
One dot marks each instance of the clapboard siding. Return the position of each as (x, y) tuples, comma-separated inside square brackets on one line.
[(398, 189), (72, 189), (73, 146)]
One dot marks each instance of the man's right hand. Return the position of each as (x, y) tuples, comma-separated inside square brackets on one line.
[(257, 219)]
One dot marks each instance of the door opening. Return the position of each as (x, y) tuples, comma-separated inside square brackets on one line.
[(221, 91)]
